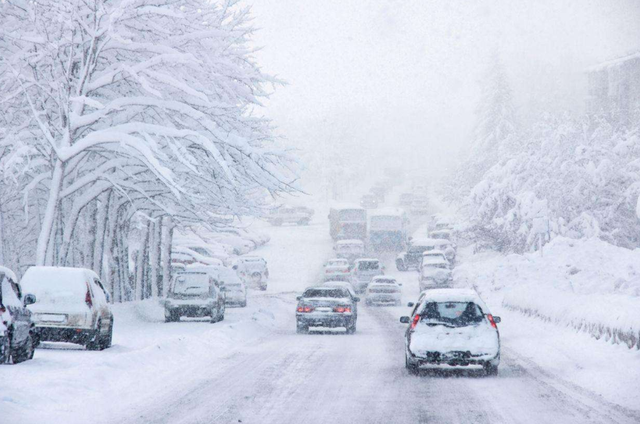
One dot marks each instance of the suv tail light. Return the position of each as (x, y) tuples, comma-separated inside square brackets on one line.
[(491, 321), (87, 298), (305, 308), (415, 321), (342, 309)]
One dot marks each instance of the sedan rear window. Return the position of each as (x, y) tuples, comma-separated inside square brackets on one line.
[(368, 266), (337, 293), (457, 314), (191, 284)]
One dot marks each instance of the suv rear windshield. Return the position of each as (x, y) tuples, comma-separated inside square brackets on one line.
[(368, 266), (191, 284), (457, 314), (337, 293)]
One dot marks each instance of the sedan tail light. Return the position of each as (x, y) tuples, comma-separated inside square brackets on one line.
[(342, 309), (87, 298), (305, 308), (491, 321), (2, 309), (415, 321)]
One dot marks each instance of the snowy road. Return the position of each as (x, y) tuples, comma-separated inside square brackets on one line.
[(328, 377), (254, 368)]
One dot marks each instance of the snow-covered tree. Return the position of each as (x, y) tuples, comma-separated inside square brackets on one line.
[(124, 107)]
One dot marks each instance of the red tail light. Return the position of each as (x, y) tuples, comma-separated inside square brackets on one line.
[(342, 309), (2, 309), (305, 309), (87, 298), (415, 321), (491, 321)]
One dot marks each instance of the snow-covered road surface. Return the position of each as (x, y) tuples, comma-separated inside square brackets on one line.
[(254, 368)]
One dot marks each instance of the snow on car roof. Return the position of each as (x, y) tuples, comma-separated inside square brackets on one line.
[(6, 271), (453, 295)]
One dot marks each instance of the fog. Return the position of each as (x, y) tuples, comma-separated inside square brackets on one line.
[(390, 76)]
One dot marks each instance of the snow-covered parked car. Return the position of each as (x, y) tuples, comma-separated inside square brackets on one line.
[(234, 288), (290, 215), (383, 291), (197, 254), (349, 249), (363, 271), (452, 327), (252, 270), (327, 307), (433, 254), (337, 269), (435, 273), (72, 306), (195, 294), (17, 331)]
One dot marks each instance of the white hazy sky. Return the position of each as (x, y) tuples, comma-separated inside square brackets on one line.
[(402, 76)]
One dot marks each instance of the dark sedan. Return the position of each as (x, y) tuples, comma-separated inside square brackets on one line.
[(327, 307)]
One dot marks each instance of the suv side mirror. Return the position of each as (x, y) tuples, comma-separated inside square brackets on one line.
[(497, 320), (235, 267), (411, 304), (356, 299), (405, 320), (29, 299), (298, 297), (108, 296)]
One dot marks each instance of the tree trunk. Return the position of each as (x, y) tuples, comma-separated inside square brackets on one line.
[(154, 255), (50, 213), (167, 241), (2, 261), (141, 264)]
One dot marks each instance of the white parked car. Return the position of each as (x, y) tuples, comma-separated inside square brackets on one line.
[(383, 291), (337, 270), (252, 270), (451, 327), (234, 288), (433, 255), (72, 306), (290, 215), (195, 294), (435, 274)]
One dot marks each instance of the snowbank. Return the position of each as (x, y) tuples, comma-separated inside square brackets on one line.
[(589, 285)]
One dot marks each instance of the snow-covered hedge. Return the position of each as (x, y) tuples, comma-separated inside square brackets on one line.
[(589, 285)]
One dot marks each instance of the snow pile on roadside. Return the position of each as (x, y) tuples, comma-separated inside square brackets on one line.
[(589, 285)]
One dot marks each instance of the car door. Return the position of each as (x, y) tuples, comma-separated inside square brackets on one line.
[(20, 316)]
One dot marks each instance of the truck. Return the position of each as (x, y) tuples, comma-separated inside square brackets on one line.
[(388, 230), (347, 222)]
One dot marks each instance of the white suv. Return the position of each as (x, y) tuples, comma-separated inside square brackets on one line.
[(72, 306)]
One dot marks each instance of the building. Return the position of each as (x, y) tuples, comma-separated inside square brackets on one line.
[(614, 87)]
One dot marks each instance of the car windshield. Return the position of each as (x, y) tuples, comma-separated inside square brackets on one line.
[(200, 250), (191, 283), (456, 314), (336, 293), (368, 266), (386, 281), (353, 215)]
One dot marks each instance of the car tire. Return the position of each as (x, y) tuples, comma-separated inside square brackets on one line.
[(263, 288), (5, 349), (23, 353), (94, 340), (244, 304), (400, 265), (351, 329), (172, 317), (222, 310), (490, 370), (106, 340), (302, 329), (411, 368)]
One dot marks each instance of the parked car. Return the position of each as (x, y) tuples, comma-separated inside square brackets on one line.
[(235, 291), (17, 331), (383, 291), (290, 215), (363, 271), (337, 269), (253, 271), (349, 249), (327, 307), (72, 306), (195, 294), (435, 273), (433, 254), (369, 201), (452, 327)]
